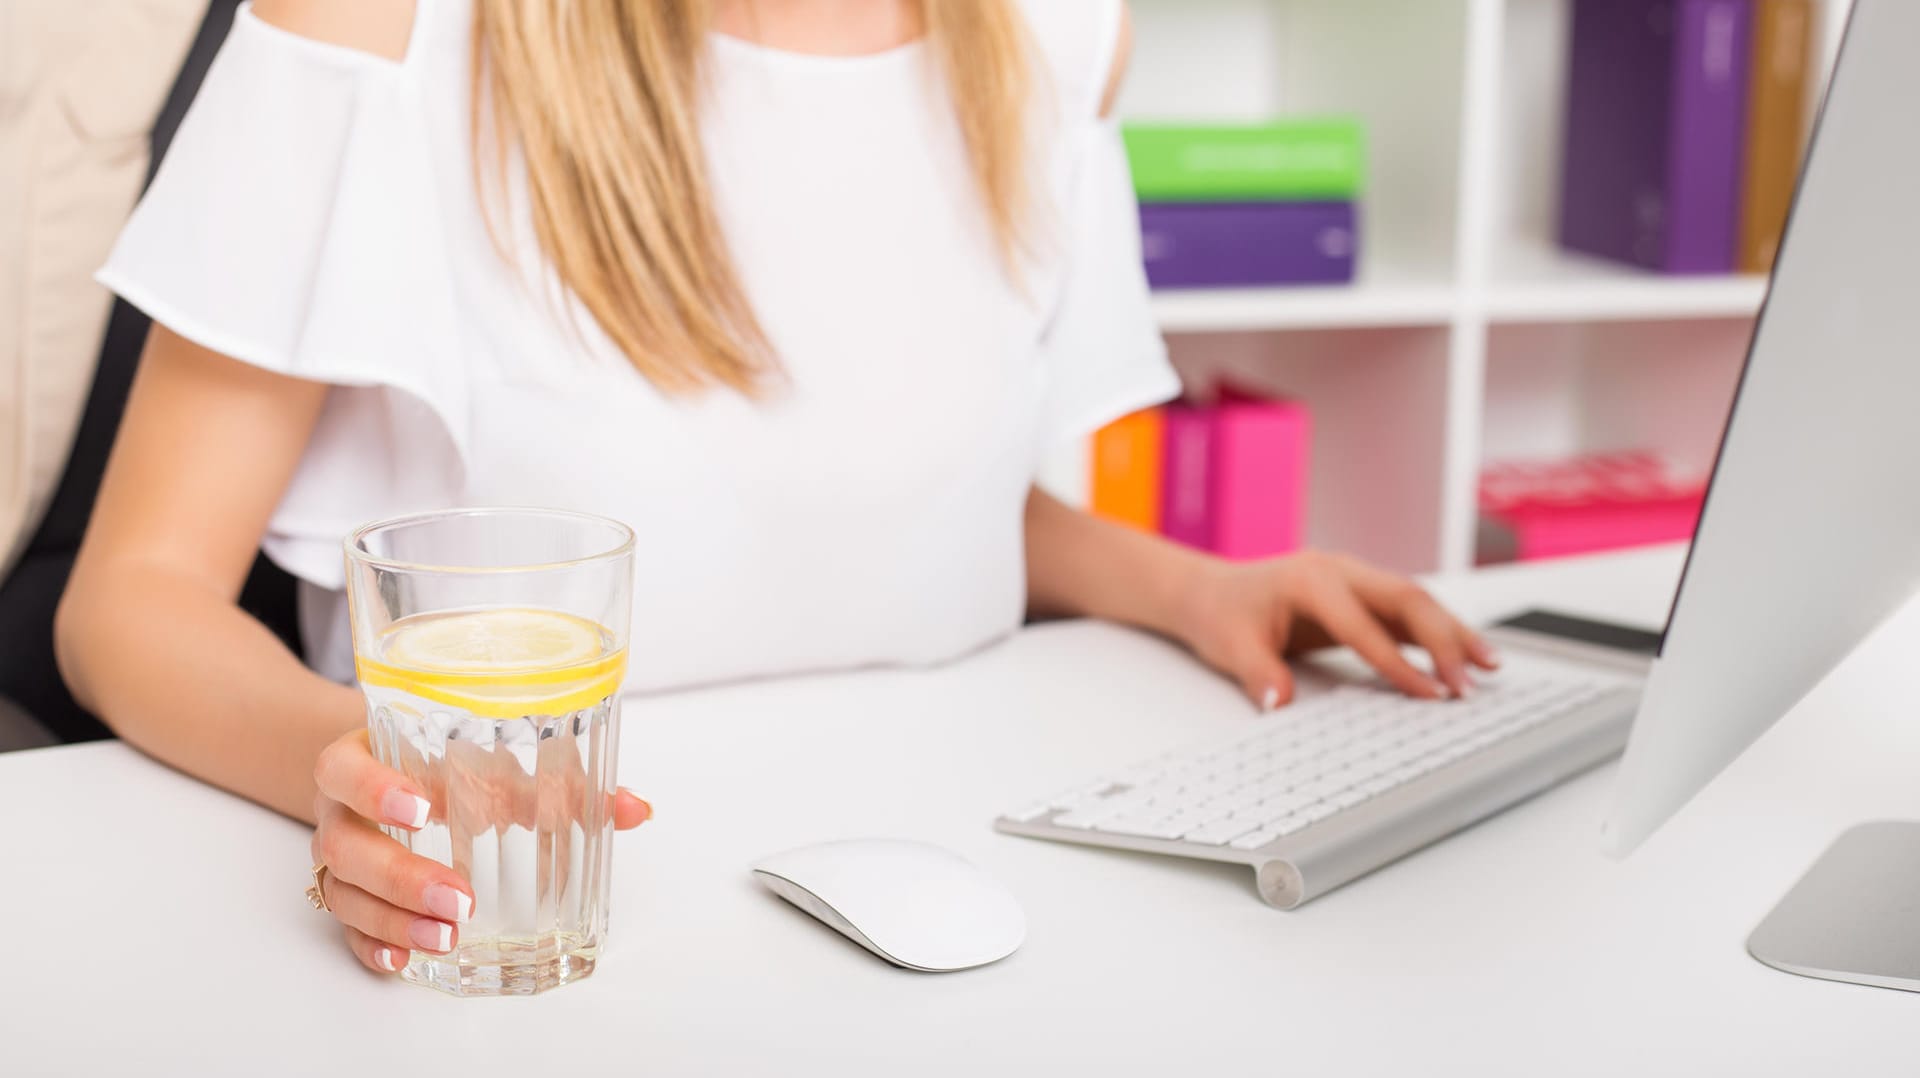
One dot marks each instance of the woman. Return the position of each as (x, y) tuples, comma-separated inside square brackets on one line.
[(800, 288)]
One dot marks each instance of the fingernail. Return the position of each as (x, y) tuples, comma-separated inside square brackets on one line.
[(431, 935), (404, 809), (646, 808), (1489, 656), (1270, 700), (384, 959), (448, 903)]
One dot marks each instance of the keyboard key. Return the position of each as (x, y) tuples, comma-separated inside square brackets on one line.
[(1279, 829), (1397, 756), (1530, 719), (1348, 798), (1220, 833), (1075, 796), (1134, 825), (1289, 825), (1319, 788), (1080, 819), (1353, 775), (1189, 819), (1347, 754), (1517, 726), (1244, 799), (1371, 768), (1143, 775), (1275, 807), (1030, 812)]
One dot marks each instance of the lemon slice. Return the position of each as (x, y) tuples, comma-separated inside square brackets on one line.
[(492, 640), (501, 663)]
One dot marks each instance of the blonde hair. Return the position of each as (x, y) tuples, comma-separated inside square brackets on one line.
[(599, 97)]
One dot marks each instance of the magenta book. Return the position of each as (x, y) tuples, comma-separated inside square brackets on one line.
[(1236, 476), (1186, 511), (1260, 477)]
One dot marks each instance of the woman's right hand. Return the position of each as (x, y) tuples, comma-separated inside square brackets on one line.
[(391, 901)]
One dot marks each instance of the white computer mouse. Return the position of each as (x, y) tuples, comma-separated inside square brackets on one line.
[(916, 905)]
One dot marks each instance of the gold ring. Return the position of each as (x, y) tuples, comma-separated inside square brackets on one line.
[(317, 894)]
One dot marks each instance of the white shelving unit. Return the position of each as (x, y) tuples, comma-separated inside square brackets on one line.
[(1469, 335), (1370, 302), (1541, 283)]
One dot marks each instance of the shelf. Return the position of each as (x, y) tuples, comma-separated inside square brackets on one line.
[(1468, 331), (1531, 284), (1382, 300), (1540, 283)]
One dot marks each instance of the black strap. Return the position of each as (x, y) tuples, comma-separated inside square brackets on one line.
[(206, 44), (30, 594)]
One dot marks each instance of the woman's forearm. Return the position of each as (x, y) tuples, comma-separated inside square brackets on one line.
[(1080, 565), (183, 674)]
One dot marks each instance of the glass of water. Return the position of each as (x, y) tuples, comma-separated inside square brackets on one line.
[(490, 645)]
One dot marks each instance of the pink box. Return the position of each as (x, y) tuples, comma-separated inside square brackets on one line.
[(1563, 532), (1236, 476), (1601, 501)]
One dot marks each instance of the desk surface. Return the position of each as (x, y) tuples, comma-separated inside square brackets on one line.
[(160, 926)]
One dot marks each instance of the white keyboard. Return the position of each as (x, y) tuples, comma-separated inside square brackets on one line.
[(1310, 762)]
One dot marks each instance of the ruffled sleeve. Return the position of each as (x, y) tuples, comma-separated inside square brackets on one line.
[(1102, 350), (294, 225)]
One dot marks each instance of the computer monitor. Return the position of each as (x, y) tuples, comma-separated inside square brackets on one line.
[(1811, 532)]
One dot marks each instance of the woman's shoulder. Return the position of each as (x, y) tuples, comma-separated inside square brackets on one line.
[(297, 206), (376, 28), (1084, 45)]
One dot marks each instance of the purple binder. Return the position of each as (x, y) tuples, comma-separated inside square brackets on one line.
[(1198, 244), (1656, 124)]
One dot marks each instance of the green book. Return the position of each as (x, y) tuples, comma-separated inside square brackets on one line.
[(1317, 158)]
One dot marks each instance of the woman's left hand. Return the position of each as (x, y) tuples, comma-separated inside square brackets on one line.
[(1244, 618)]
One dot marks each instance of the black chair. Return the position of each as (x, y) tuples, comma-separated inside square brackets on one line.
[(31, 592)]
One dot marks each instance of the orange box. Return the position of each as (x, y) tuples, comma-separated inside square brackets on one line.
[(1127, 455)]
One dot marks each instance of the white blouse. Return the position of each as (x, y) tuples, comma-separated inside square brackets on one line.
[(317, 216)]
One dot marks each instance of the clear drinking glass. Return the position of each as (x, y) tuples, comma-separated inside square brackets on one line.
[(490, 645)]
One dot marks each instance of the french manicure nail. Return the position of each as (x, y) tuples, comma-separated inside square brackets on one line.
[(447, 903), (1270, 700), (431, 935), (384, 958), (405, 809)]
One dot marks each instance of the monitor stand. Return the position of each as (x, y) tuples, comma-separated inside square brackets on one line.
[(1855, 915)]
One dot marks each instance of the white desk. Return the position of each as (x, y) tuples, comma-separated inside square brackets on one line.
[(158, 926)]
